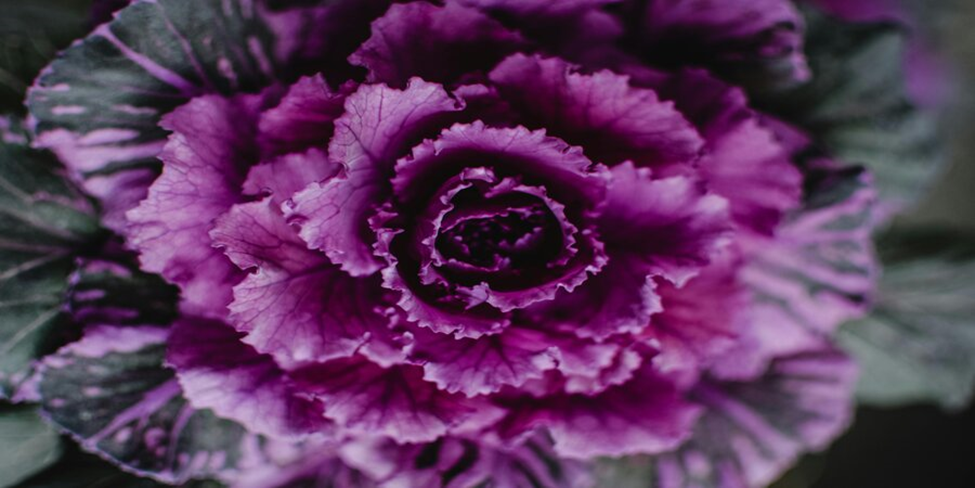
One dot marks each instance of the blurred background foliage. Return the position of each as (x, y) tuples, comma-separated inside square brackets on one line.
[(920, 446), (914, 446), (947, 25)]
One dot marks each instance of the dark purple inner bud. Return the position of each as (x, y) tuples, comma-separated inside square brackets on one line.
[(498, 239)]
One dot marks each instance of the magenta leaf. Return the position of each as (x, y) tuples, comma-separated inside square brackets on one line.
[(644, 416), (205, 163), (753, 42), (218, 372), (455, 41), (396, 402), (295, 305), (752, 431), (613, 121), (368, 139)]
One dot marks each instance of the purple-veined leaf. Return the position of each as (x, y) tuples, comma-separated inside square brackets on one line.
[(817, 273), (752, 430)]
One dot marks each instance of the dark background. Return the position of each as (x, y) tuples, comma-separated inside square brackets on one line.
[(912, 447)]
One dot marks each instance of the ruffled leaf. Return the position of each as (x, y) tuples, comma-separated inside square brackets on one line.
[(601, 112), (566, 28), (619, 300), (643, 416), (461, 463), (700, 320), (29, 444), (395, 402), (573, 188), (673, 225), (486, 364), (319, 468), (856, 106), (743, 162), (205, 163), (569, 176), (653, 228), (44, 223), (304, 119), (918, 344), (438, 44), (317, 33), (536, 8), (752, 431), (285, 176), (111, 392), (218, 372), (379, 126), (296, 305)]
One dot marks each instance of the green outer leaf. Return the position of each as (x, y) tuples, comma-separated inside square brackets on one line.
[(27, 444), (918, 345), (44, 222), (629, 472), (111, 392), (107, 93), (856, 105), (113, 291)]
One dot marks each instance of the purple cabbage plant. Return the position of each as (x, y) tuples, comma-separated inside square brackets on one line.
[(457, 243)]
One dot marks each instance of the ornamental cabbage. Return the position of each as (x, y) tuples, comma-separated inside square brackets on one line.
[(474, 242)]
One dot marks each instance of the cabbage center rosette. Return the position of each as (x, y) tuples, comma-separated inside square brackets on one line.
[(472, 241), (422, 289)]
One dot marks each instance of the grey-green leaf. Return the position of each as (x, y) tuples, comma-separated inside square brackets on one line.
[(44, 223), (107, 93), (112, 393), (856, 105), (918, 345), (111, 290), (27, 444)]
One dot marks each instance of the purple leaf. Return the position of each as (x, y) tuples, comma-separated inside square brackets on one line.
[(377, 128), (205, 163), (365, 398), (438, 44), (752, 431), (613, 121), (295, 305), (643, 416), (219, 372)]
